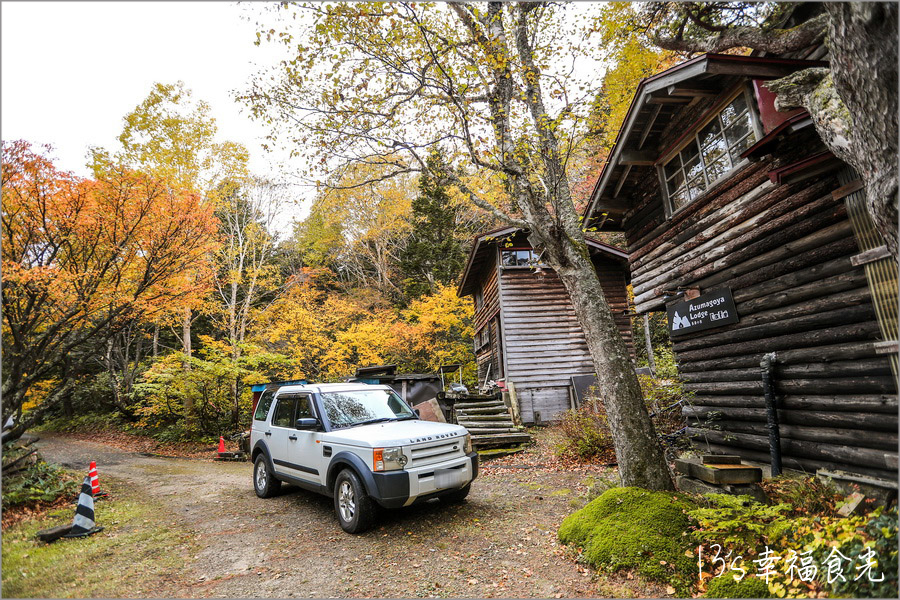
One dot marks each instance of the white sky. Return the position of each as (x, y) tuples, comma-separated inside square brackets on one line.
[(72, 70)]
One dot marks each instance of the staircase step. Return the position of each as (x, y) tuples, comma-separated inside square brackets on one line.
[(476, 418), (500, 439), (489, 404), (478, 425), (491, 431), (482, 411)]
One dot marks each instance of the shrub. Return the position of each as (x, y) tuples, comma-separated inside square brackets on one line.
[(36, 484), (585, 430), (726, 587), (739, 521), (807, 495), (633, 528)]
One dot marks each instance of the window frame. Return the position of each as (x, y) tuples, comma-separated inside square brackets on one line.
[(531, 265), (692, 137)]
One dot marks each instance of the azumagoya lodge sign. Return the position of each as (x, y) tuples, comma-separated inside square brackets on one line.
[(712, 309)]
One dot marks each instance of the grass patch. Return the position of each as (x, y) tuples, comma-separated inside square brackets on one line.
[(130, 556), (633, 528), (726, 587)]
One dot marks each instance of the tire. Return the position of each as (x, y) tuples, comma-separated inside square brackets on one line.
[(354, 509), (264, 481), (457, 496)]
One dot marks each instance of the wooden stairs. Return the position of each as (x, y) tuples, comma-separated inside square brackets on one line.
[(488, 420)]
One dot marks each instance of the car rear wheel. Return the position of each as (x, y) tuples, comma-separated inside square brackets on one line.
[(354, 509), (264, 482)]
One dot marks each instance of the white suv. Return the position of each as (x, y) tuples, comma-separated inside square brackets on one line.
[(360, 444)]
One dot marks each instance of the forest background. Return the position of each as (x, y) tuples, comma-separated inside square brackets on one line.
[(179, 289)]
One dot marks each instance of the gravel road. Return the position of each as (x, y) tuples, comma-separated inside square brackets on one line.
[(501, 542)]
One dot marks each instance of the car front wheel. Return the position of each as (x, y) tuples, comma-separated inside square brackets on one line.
[(264, 482), (355, 510)]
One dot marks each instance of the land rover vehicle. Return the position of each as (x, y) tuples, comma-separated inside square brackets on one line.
[(360, 444)]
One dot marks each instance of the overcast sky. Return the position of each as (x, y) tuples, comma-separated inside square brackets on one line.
[(72, 70)]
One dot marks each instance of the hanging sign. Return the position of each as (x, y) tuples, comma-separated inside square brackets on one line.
[(712, 309)]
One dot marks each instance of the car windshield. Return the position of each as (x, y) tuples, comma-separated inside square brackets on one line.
[(357, 407)]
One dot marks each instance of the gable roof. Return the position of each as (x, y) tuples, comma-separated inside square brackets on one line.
[(657, 99), (485, 242)]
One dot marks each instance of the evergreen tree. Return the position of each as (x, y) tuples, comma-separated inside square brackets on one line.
[(433, 255)]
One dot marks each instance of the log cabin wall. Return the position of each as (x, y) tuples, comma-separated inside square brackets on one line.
[(776, 232), (487, 321)]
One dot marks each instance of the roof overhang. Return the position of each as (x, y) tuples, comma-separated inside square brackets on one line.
[(485, 243), (655, 102)]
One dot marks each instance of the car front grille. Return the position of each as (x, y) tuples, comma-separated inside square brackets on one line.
[(432, 453)]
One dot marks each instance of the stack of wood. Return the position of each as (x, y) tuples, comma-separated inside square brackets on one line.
[(719, 474), (20, 455)]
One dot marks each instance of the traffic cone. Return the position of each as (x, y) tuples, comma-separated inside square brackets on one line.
[(95, 481), (221, 446), (84, 525)]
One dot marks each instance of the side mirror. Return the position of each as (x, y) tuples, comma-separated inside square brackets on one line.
[(307, 423), (416, 410)]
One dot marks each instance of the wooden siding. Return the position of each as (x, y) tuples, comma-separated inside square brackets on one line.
[(487, 316), (543, 341), (784, 250)]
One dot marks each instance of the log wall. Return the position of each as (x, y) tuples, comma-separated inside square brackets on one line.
[(785, 251)]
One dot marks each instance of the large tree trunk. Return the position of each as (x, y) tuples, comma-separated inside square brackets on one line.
[(638, 451), (862, 37), (186, 341)]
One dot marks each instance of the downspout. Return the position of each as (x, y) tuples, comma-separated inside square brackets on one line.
[(767, 366)]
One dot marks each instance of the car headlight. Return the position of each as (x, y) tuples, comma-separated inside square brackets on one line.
[(467, 445), (388, 459)]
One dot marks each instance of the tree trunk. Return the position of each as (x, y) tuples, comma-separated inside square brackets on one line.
[(155, 339), (186, 341), (638, 451), (862, 37)]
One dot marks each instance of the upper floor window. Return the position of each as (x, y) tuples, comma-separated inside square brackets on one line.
[(521, 257), (711, 151)]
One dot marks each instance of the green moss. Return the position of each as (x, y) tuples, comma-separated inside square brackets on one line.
[(633, 528), (726, 587)]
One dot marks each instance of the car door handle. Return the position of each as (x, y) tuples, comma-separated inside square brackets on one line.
[(293, 438), (268, 433)]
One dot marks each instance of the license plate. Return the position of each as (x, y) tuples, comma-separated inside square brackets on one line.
[(448, 478)]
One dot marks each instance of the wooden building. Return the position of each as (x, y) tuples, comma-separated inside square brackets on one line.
[(755, 238), (526, 331)]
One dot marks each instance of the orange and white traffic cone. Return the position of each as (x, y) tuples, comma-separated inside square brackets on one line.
[(95, 481), (221, 446)]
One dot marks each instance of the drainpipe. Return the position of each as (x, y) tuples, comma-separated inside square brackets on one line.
[(767, 367)]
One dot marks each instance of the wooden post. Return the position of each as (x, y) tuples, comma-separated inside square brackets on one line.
[(650, 358)]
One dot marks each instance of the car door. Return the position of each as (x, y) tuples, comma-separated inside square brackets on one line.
[(282, 426), (304, 449)]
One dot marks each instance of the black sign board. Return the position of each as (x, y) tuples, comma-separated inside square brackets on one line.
[(712, 309)]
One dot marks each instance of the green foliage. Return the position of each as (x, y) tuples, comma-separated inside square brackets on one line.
[(739, 521), (725, 586), (433, 253), (633, 528), (37, 483), (167, 387), (89, 422)]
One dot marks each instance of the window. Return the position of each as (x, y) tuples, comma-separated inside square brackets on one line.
[(711, 152), (284, 412), (479, 299), (519, 257), (304, 409), (262, 407), (345, 409)]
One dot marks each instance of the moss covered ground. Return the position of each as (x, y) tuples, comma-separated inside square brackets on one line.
[(726, 587), (639, 530)]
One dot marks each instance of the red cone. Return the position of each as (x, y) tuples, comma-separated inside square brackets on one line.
[(221, 445), (95, 481)]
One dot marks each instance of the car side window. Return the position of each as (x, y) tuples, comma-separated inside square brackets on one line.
[(284, 412), (304, 409), (262, 407)]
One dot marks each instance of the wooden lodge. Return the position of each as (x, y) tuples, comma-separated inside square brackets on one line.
[(755, 238), (526, 332)]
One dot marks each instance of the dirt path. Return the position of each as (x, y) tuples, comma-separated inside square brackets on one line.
[(500, 543)]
